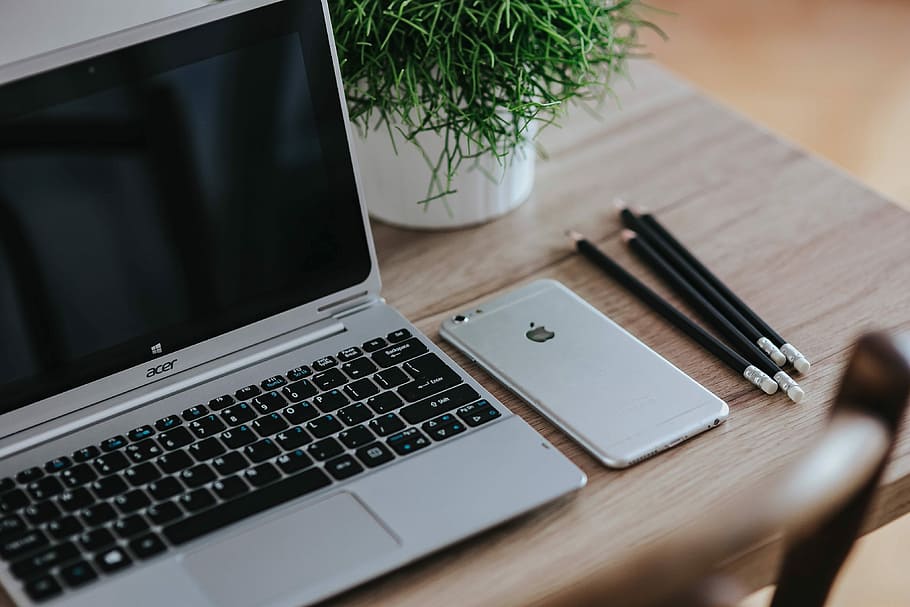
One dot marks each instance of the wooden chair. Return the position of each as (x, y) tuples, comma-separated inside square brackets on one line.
[(817, 506)]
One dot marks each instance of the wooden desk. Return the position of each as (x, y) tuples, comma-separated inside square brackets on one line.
[(819, 255)]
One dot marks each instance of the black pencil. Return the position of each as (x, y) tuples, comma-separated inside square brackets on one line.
[(792, 354), (707, 290), (739, 341), (725, 354)]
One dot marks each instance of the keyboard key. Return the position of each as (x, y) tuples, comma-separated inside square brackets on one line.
[(478, 413), (132, 501), (142, 474), (207, 426), (390, 378), (42, 588), (247, 393), (194, 412), (269, 402), (113, 443), (238, 437), (206, 449), (349, 354), (230, 463), (167, 423), (23, 544), (176, 438), (374, 455), (426, 387), (64, 527), (174, 461), (397, 336), (273, 383), (386, 424), (299, 373), (409, 441), (294, 461), (323, 426), (42, 512), (247, 505), (42, 562), (238, 414), (230, 487), (129, 526), (326, 448), (110, 463), (260, 475), (329, 379), (58, 464), (324, 363), (197, 500), (95, 540), (112, 560), (14, 500), (354, 414), (398, 353), (217, 404), (143, 451), (385, 402), (140, 433), (109, 486), (78, 475), (78, 574), (300, 390), (6, 484), (293, 438), (163, 513), (44, 488), (300, 413), (10, 526), (197, 476), (358, 368), (343, 467), (330, 401), (443, 432), (361, 389), (374, 344), (165, 488), (261, 451), (441, 403), (357, 436), (268, 425), (86, 453), (147, 546), (28, 476), (77, 499)]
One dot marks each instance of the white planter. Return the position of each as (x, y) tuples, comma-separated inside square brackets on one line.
[(394, 185)]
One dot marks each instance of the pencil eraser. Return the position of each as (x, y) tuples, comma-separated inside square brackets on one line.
[(802, 365), (769, 385), (795, 393), (778, 357)]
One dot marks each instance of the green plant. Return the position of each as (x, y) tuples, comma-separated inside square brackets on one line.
[(477, 72)]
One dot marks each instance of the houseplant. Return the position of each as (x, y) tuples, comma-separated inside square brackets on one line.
[(446, 95)]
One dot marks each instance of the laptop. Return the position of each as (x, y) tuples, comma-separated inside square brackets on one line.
[(204, 399)]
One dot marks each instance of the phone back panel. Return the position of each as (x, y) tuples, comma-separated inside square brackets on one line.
[(617, 397)]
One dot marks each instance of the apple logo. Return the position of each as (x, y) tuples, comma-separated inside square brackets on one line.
[(539, 334)]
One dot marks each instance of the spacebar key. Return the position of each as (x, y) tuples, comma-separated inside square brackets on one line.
[(246, 506)]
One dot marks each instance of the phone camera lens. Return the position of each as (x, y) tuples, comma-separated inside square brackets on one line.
[(460, 318)]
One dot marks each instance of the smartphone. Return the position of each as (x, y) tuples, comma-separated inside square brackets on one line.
[(619, 399)]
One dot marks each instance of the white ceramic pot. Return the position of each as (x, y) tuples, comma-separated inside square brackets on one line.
[(394, 184)]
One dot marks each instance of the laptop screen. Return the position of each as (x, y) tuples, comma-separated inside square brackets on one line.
[(168, 192)]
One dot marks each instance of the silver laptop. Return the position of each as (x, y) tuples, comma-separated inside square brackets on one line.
[(204, 400)]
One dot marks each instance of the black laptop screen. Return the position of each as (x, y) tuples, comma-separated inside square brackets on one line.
[(169, 192)]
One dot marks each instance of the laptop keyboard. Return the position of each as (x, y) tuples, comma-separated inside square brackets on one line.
[(105, 507)]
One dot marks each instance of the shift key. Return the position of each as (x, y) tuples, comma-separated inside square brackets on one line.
[(441, 403), (398, 353)]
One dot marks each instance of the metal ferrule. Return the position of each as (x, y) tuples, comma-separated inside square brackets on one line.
[(791, 353), (784, 381), (767, 346), (756, 377)]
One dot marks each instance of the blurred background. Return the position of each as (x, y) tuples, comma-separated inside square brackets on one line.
[(833, 76)]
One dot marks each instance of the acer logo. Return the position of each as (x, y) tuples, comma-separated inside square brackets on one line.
[(162, 368)]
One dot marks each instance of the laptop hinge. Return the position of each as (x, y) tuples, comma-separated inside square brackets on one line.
[(358, 307)]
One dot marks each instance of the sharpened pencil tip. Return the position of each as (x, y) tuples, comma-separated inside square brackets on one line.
[(628, 235), (575, 236), (619, 204)]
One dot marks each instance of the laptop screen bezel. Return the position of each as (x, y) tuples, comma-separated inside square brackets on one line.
[(126, 385)]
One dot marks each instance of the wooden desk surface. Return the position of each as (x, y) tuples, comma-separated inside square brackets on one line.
[(819, 255)]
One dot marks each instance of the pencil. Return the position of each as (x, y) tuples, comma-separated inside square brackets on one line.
[(739, 341), (690, 274), (721, 351), (793, 355)]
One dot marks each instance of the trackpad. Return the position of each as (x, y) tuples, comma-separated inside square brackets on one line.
[(304, 549)]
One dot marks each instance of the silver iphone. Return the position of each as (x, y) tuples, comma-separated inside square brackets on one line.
[(618, 398)]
